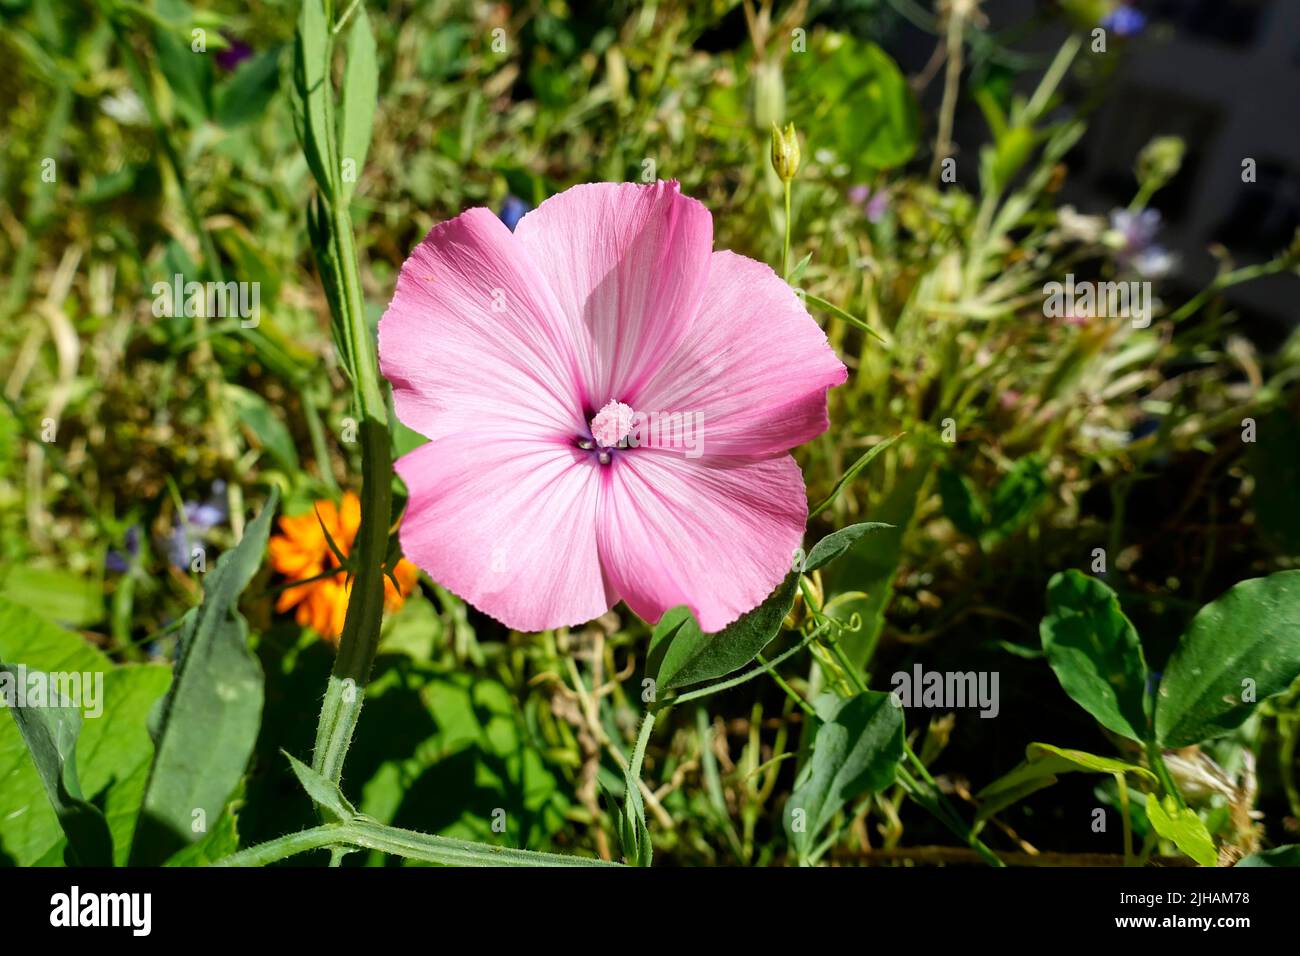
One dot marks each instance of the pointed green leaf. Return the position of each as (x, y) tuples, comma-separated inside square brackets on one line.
[(1238, 650), (51, 732), (856, 751), (1183, 827), (357, 105), (205, 728), (312, 101), (835, 544), (1040, 768), (323, 792), (1095, 652), (690, 656)]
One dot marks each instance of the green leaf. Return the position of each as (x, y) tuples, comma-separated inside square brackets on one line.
[(205, 728), (1288, 855), (245, 96), (686, 655), (857, 750), (1017, 497), (1183, 827), (961, 504), (1040, 768), (359, 97), (188, 72), (313, 95), (50, 733), (852, 98), (57, 595), (113, 749), (323, 791), (268, 431), (1095, 652), (1238, 650), (631, 827), (833, 545)]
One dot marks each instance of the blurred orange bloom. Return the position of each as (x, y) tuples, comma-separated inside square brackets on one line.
[(301, 551)]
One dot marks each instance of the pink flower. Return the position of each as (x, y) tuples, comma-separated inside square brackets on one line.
[(610, 405)]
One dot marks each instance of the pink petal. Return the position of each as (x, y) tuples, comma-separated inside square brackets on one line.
[(717, 534), (508, 526), (474, 340), (628, 264), (755, 365)]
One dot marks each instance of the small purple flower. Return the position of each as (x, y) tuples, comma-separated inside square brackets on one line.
[(234, 54), (200, 517), (873, 204), (1138, 249), (1125, 21), (512, 210), (119, 562)]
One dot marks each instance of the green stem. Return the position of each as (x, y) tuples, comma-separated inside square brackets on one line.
[(1156, 758), (643, 738), (363, 834), (785, 248)]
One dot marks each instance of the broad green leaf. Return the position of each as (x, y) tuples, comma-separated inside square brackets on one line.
[(1040, 769), (1095, 652), (50, 732), (357, 105), (56, 595), (691, 656), (221, 840), (856, 751), (113, 749), (1288, 856), (1183, 827), (852, 99), (1238, 650), (205, 728), (833, 545)]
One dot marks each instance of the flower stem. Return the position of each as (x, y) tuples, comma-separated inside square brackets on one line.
[(785, 247)]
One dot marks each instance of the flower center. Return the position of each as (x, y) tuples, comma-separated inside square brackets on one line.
[(609, 430)]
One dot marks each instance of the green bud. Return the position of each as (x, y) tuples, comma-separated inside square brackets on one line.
[(1160, 161), (785, 151)]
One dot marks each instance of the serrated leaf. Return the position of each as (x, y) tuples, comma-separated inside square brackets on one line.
[(205, 728), (1183, 827), (856, 751), (686, 655), (1095, 652), (835, 544), (1240, 649)]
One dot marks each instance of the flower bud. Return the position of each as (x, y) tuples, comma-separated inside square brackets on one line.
[(785, 151)]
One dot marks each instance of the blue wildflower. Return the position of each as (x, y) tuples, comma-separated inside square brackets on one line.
[(1125, 21), (119, 562), (200, 517), (512, 210)]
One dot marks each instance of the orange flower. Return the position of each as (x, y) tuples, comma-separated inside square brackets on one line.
[(301, 552)]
